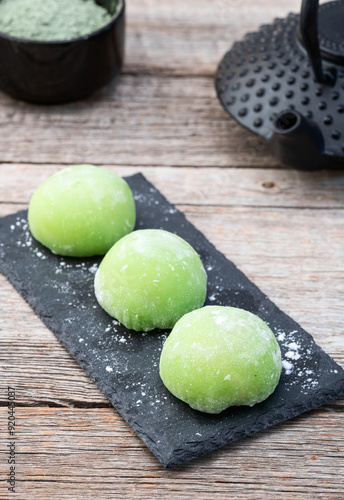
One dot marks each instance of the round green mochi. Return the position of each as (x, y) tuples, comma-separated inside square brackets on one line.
[(82, 211), (218, 357), (149, 279)]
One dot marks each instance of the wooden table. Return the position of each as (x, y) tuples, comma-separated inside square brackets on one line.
[(283, 228)]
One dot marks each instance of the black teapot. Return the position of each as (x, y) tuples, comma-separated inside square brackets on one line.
[(285, 83)]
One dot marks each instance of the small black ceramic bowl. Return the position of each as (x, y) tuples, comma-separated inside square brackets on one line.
[(56, 72)]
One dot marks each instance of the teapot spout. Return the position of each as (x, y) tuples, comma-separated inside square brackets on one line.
[(298, 142)]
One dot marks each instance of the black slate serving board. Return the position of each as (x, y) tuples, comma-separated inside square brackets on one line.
[(124, 364)]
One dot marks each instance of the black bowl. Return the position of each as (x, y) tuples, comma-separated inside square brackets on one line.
[(56, 72)]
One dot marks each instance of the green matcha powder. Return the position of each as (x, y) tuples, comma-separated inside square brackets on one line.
[(52, 20)]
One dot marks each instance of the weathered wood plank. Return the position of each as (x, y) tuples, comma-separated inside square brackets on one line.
[(202, 12), (202, 186), (190, 37), (92, 453), (118, 124), (141, 120), (10, 208)]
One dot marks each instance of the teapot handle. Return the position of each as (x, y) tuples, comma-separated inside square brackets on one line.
[(309, 36)]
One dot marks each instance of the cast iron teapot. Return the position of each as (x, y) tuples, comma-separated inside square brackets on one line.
[(285, 83)]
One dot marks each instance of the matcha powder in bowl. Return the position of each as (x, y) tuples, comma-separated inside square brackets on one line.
[(51, 20)]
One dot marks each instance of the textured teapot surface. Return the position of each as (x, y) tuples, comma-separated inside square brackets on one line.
[(267, 82)]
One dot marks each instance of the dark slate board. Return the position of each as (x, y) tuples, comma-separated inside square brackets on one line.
[(124, 364)]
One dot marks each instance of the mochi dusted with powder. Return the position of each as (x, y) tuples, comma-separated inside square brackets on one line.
[(150, 279), (220, 356), (82, 211)]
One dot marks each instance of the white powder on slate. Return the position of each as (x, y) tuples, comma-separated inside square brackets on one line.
[(305, 373)]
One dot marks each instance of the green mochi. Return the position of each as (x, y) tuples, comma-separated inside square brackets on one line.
[(218, 357), (149, 279), (82, 211)]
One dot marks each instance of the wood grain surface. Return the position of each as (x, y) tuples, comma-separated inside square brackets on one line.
[(283, 228)]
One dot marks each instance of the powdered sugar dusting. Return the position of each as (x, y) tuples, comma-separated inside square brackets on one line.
[(288, 367), (298, 361), (24, 237)]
